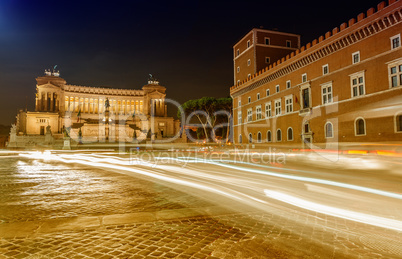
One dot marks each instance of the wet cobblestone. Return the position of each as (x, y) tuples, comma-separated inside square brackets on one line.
[(32, 190)]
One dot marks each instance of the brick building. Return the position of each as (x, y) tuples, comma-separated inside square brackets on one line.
[(345, 86)]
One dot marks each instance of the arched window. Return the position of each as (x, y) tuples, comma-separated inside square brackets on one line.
[(269, 136), (290, 134), (329, 130), (360, 127), (279, 135), (398, 122), (240, 139), (259, 137), (250, 138)]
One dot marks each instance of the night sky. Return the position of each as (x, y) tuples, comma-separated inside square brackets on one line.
[(187, 45)]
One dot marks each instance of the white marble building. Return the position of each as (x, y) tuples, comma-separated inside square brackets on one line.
[(133, 113)]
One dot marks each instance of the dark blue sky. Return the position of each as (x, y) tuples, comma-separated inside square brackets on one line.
[(187, 45)]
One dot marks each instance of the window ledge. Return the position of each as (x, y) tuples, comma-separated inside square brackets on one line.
[(305, 111)]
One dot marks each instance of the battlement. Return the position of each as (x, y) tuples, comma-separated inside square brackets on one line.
[(356, 29)]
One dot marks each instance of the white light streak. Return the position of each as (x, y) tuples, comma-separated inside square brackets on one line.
[(336, 212)]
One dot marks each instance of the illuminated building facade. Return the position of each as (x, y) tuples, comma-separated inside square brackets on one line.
[(345, 86), (134, 114)]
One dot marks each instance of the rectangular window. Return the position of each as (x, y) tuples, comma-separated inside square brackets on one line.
[(250, 115), (239, 103), (395, 74), (306, 98), (267, 92), (248, 44), (357, 84), (248, 62), (356, 57), (237, 52), (289, 104), (278, 107), (267, 60), (249, 99), (238, 82), (288, 44), (258, 112), (304, 78), (277, 88), (396, 41), (288, 84), (267, 41), (326, 93), (325, 69), (268, 110), (238, 69), (258, 96), (239, 119)]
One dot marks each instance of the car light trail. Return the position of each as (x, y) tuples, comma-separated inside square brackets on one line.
[(122, 161), (246, 191), (298, 178), (340, 213)]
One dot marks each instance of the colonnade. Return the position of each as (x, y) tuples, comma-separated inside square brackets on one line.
[(158, 107), (47, 101), (97, 105)]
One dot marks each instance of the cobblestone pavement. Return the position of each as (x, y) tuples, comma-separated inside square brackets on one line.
[(56, 211)]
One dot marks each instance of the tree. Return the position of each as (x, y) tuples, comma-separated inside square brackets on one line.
[(209, 111)]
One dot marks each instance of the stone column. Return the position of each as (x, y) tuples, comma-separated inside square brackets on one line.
[(51, 102), (37, 103), (46, 102)]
